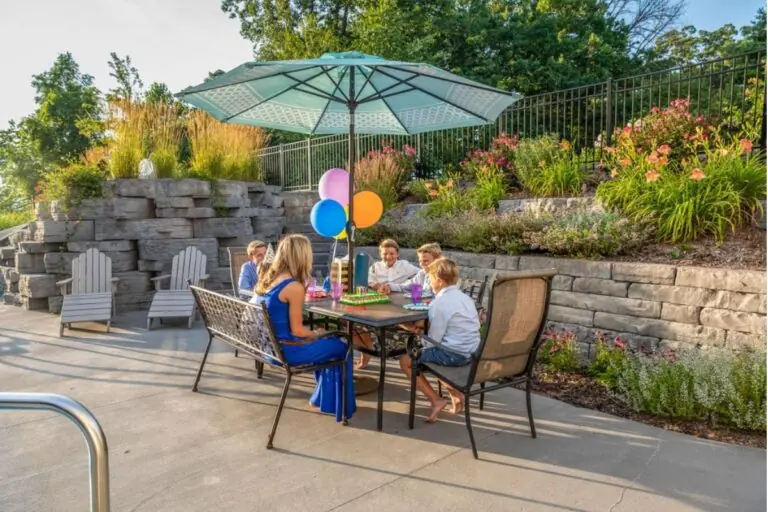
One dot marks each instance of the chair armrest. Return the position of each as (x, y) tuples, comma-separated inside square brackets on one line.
[(312, 339), (114, 281), (157, 280), (63, 285), (203, 279)]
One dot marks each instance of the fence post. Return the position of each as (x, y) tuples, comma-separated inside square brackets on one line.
[(282, 166), (418, 147), (609, 112), (309, 164)]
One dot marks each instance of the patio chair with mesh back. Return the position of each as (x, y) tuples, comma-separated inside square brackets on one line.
[(238, 256), (474, 288), (517, 313), (248, 328)]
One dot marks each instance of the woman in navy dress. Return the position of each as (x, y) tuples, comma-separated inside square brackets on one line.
[(281, 288)]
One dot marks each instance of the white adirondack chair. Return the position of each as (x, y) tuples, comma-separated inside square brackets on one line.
[(177, 301), (93, 288)]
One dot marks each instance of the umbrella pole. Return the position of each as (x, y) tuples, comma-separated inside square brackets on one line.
[(350, 222), (352, 105)]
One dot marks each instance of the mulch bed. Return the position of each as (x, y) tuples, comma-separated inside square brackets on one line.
[(582, 391), (744, 249)]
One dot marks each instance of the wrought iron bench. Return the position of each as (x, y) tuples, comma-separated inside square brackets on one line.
[(248, 328)]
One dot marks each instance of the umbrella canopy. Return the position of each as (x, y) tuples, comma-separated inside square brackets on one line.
[(316, 96), (347, 93)]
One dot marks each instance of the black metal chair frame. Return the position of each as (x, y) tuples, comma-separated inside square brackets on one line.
[(263, 358), (526, 376), (480, 289)]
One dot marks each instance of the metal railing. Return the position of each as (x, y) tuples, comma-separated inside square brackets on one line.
[(86, 422), (730, 89)]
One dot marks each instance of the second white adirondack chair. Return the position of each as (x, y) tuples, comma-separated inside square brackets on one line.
[(93, 291), (177, 301)]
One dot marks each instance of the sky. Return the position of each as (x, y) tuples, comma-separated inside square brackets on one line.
[(173, 41)]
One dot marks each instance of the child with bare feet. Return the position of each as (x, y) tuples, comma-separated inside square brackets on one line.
[(454, 334)]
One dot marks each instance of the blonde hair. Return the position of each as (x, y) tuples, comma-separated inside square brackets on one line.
[(444, 269), (256, 244), (432, 249), (389, 244), (293, 257)]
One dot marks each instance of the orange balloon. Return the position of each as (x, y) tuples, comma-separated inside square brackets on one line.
[(368, 209), (343, 233)]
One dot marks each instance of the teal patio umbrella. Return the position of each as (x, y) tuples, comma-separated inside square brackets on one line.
[(348, 92)]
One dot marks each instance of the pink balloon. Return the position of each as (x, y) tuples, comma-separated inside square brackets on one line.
[(334, 184)]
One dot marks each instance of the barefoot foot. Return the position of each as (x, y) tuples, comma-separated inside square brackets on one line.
[(457, 405), (363, 362), (438, 406)]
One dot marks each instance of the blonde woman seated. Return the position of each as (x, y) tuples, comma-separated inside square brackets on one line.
[(281, 288)]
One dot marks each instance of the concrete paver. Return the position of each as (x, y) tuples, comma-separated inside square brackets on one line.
[(174, 450)]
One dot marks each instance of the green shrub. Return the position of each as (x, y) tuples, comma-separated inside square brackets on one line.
[(447, 197), (546, 167), (608, 360), (588, 235), (469, 231), (490, 187), (71, 184), (559, 352), (563, 177), (719, 387), (533, 154), (13, 219)]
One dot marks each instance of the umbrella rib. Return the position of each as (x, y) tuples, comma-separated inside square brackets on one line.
[(328, 103), (279, 73), (320, 93), (270, 98), (373, 70), (337, 85), (457, 82), (374, 97), (367, 81), (381, 96), (454, 105)]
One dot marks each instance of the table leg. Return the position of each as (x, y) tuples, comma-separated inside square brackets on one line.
[(363, 384), (382, 374), (312, 321)]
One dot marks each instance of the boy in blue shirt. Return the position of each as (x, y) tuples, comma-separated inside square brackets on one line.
[(453, 326), (249, 272)]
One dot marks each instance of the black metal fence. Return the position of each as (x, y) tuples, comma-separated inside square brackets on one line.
[(730, 90)]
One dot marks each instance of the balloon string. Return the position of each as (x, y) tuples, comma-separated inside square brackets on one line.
[(333, 256)]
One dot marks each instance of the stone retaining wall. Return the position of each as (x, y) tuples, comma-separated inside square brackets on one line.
[(649, 305), (140, 225)]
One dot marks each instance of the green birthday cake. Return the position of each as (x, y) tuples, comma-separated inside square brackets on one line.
[(364, 299)]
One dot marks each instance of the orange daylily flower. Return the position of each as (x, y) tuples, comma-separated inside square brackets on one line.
[(697, 174), (652, 176)]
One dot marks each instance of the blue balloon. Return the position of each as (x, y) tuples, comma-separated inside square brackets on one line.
[(328, 218)]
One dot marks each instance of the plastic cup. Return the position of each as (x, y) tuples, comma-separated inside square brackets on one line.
[(336, 291), (416, 291)]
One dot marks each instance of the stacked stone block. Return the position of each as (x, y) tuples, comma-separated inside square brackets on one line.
[(649, 305), (141, 225)]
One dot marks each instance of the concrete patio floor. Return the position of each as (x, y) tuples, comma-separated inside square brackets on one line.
[(174, 450)]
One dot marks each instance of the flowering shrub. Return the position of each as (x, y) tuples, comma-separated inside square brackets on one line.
[(559, 352), (500, 157), (679, 172), (470, 231), (588, 235), (608, 359), (546, 167), (386, 172), (719, 387)]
